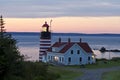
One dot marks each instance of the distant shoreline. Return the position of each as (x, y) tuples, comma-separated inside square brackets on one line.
[(70, 34), (112, 50)]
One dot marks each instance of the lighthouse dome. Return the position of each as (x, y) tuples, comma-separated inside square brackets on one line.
[(45, 25)]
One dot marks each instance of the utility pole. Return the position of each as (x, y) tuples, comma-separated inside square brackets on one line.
[(109, 55)]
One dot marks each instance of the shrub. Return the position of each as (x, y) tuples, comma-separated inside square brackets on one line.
[(115, 59)]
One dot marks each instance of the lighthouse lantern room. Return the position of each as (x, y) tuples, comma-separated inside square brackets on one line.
[(45, 41)]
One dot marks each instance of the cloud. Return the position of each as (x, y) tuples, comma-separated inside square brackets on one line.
[(59, 8)]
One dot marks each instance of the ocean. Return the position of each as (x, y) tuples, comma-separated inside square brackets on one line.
[(28, 43)]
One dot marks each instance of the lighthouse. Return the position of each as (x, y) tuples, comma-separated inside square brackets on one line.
[(45, 41)]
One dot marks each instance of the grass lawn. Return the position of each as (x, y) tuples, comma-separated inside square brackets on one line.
[(71, 75), (99, 64), (65, 74), (114, 75)]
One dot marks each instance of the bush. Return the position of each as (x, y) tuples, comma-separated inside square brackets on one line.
[(102, 59), (115, 59), (32, 70)]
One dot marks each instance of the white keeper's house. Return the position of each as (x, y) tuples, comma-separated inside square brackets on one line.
[(70, 53)]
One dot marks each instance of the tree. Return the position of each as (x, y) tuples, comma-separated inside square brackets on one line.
[(12, 66), (9, 54), (103, 49)]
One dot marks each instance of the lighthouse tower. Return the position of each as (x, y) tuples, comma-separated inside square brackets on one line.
[(45, 41)]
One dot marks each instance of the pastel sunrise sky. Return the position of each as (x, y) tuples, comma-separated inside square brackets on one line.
[(68, 16)]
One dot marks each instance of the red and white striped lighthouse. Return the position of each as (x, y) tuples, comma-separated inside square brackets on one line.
[(45, 41)]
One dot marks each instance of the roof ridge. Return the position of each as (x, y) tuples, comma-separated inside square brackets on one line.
[(68, 45)]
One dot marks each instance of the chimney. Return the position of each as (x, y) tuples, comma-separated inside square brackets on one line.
[(59, 40), (80, 40), (69, 40)]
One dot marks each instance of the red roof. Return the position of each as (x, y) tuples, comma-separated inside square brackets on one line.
[(58, 44), (68, 45), (85, 47)]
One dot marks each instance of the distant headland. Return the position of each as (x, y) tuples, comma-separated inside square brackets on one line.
[(103, 49), (71, 34)]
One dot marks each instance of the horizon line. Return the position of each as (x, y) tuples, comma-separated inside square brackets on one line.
[(60, 32)]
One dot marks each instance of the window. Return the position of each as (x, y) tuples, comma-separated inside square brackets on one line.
[(60, 59), (71, 51), (80, 59), (69, 59), (49, 57), (88, 58), (56, 58), (44, 29), (78, 51)]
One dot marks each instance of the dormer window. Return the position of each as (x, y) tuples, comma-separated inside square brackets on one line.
[(71, 51), (78, 51)]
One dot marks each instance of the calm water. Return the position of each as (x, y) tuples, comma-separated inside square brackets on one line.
[(28, 43)]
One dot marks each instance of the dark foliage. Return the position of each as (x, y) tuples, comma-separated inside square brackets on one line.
[(10, 57), (115, 59), (12, 65), (103, 49)]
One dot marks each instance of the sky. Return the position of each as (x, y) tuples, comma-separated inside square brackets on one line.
[(70, 16)]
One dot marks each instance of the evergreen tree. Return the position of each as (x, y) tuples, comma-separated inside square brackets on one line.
[(12, 66), (9, 54)]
